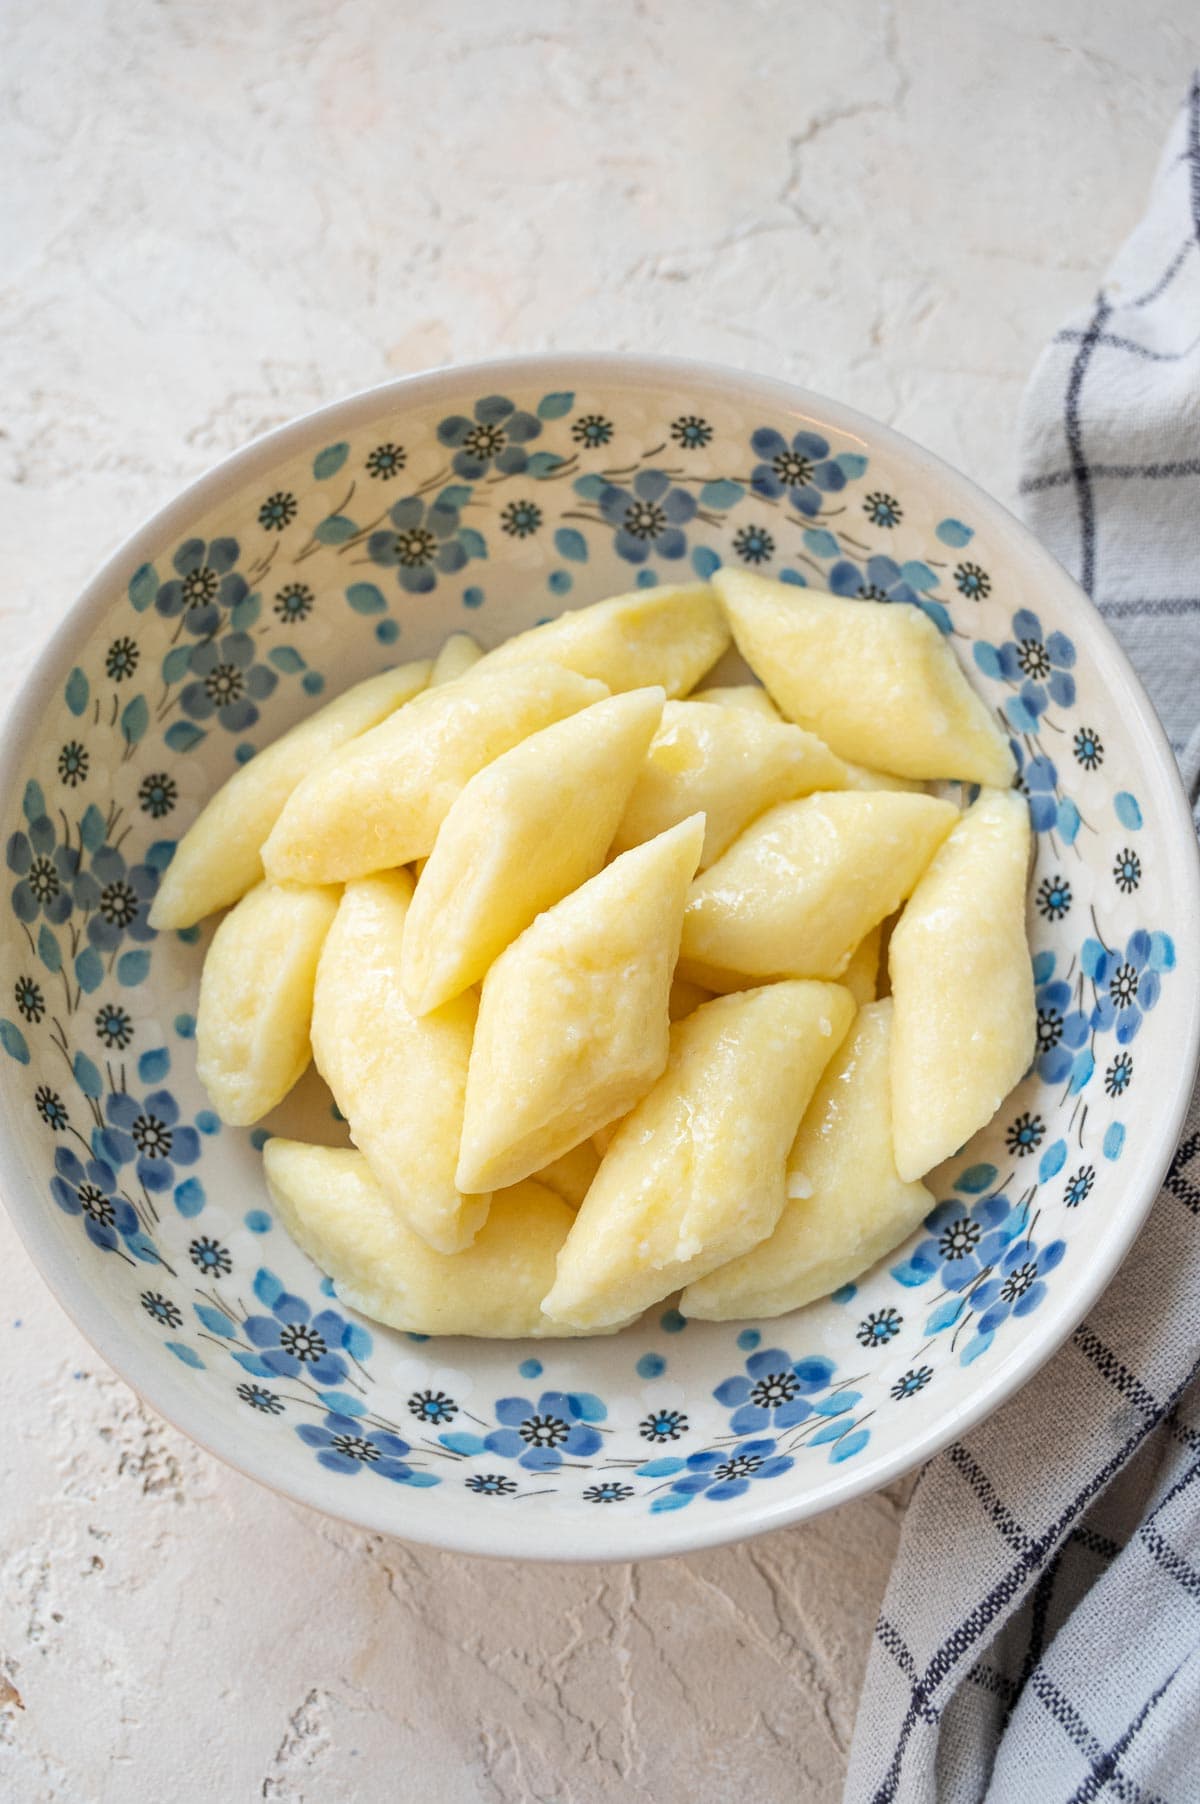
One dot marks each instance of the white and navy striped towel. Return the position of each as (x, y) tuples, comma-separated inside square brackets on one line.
[(1039, 1641)]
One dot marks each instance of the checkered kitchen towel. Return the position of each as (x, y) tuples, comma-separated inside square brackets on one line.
[(1040, 1636)]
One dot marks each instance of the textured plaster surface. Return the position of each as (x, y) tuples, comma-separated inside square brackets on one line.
[(216, 216)]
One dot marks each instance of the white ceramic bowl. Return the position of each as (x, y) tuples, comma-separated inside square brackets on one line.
[(488, 498)]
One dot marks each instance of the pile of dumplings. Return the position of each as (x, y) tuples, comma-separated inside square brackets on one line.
[(591, 969)]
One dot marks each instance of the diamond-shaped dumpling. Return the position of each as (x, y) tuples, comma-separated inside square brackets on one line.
[(847, 1206), (380, 800), (695, 1174), (669, 635), (728, 764), (573, 1015), (876, 680), (526, 830), (806, 882), (399, 1081), (220, 856), (962, 985), (332, 1204)]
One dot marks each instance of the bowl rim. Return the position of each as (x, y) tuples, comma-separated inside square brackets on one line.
[(63, 1267)]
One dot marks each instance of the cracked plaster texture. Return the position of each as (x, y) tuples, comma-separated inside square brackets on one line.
[(215, 217)]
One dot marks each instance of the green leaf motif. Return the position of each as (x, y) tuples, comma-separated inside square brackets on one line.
[(13, 1041), (89, 969), (183, 736), (133, 968), (472, 542), (553, 407), (543, 463), (143, 587), (571, 544), (176, 664), (135, 718), (721, 494), (49, 950), (329, 461), (246, 613), (286, 658), (365, 598), (335, 529), (77, 691), (87, 1076)]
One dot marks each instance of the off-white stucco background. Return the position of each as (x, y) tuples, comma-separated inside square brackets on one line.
[(214, 216)]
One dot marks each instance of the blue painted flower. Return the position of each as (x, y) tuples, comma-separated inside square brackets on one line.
[(116, 897), (497, 433), (205, 586), (1128, 981), (1019, 1285), (1064, 1031), (293, 1341), (648, 517), (148, 1134), (45, 873), (90, 1190), (776, 1393), (723, 1476), (802, 469), (1079, 1186), (226, 682), (425, 538), (883, 579), (1037, 780), (347, 1445), (540, 1436), (882, 509), (962, 1242), (1037, 664)]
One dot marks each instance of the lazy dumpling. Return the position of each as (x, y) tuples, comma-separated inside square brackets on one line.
[(807, 882), (331, 1203), (847, 1204), (380, 800), (695, 1175), (962, 985), (456, 657), (725, 763), (748, 698), (573, 1015), (669, 636), (400, 1082), (876, 680), (256, 996), (220, 856), (527, 829)]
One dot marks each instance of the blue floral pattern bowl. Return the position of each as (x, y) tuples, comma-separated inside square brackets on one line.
[(491, 498)]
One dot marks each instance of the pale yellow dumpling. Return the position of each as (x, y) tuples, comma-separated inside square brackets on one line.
[(220, 856), (876, 680), (749, 698), (861, 976), (695, 1175), (573, 1015), (332, 1205), (859, 777), (525, 831), (459, 653), (571, 1175), (806, 882), (847, 1204), (400, 1082), (668, 636), (380, 801), (962, 985), (256, 995), (726, 763)]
